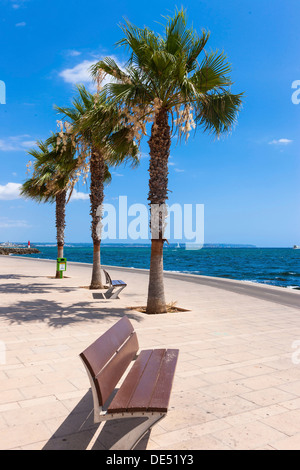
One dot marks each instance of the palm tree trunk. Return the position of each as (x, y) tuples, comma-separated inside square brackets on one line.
[(60, 214), (159, 143), (97, 167)]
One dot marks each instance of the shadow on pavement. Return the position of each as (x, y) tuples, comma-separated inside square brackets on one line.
[(78, 431)]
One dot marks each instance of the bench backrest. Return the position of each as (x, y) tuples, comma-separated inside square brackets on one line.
[(107, 277), (109, 356)]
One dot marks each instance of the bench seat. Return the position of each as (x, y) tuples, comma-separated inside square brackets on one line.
[(117, 282), (148, 385)]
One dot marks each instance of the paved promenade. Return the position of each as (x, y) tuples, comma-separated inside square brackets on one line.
[(237, 383)]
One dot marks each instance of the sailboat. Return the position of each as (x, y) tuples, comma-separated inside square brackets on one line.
[(296, 247)]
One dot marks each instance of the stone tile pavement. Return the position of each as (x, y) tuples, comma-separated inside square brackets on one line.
[(237, 383)]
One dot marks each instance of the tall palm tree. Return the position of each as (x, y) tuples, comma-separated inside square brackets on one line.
[(167, 82), (103, 143), (53, 169)]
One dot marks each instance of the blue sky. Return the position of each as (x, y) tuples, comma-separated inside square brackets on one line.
[(248, 181)]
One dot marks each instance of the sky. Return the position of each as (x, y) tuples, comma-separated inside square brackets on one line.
[(248, 181)]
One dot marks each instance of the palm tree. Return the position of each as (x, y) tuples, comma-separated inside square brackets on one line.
[(166, 82), (53, 166), (102, 143)]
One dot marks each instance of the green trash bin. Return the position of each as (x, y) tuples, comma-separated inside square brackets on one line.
[(61, 266)]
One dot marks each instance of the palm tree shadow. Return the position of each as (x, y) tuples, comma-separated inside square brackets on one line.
[(58, 316), (16, 276), (78, 431), (32, 288)]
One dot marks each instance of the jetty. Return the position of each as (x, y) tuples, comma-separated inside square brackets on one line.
[(17, 250)]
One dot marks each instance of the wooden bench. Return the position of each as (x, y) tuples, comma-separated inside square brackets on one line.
[(112, 293), (144, 392)]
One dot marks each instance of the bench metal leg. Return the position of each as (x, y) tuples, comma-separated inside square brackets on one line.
[(131, 439), (110, 294)]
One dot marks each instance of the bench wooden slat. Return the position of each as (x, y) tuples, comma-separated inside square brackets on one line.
[(161, 395), (99, 353), (143, 392), (121, 400)]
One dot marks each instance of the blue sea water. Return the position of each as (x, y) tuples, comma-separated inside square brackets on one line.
[(275, 266)]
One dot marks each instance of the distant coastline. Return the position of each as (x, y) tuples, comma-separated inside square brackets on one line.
[(171, 244)]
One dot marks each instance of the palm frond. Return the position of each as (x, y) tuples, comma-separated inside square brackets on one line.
[(218, 112), (110, 67), (96, 119), (53, 166)]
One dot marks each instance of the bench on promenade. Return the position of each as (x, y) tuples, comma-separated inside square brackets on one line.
[(144, 392), (114, 287)]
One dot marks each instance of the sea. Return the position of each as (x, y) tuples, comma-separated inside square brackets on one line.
[(273, 266)]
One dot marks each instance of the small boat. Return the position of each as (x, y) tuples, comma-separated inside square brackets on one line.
[(296, 247)]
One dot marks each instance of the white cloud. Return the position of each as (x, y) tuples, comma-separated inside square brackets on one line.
[(81, 73), (73, 53), (10, 191), (28, 143), (16, 143), (21, 25), (178, 170), (144, 155), (6, 145), (77, 195), (8, 223), (281, 142), (17, 3), (19, 137)]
